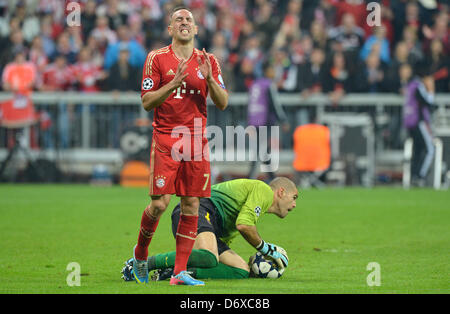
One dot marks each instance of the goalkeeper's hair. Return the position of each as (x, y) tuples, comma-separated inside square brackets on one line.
[(283, 182)]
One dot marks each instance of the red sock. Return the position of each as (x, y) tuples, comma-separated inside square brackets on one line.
[(185, 238), (148, 227)]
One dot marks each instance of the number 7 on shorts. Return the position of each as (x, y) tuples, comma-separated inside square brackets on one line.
[(206, 175)]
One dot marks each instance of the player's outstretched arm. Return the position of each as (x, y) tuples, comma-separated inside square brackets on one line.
[(151, 100), (251, 235)]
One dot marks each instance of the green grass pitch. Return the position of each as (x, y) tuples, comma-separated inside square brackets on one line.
[(330, 237)]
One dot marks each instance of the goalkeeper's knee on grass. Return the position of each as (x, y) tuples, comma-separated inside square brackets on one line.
[(202, 258)]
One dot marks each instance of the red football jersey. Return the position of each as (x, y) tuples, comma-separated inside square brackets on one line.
[(87, 74), (187, 102), (56, 78)]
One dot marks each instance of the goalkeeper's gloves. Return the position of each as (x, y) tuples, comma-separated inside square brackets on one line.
[(270, 250)]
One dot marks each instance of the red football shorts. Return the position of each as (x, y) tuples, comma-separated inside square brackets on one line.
[(177, 167)]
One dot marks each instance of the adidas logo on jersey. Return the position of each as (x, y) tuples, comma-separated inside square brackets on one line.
[(170, 72)]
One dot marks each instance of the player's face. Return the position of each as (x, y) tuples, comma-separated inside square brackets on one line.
[(287, 202), (182, 26)]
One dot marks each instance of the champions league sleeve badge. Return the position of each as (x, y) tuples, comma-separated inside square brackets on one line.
[(147, 84)]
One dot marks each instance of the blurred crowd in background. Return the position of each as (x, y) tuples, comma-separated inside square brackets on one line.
[(315, 45)]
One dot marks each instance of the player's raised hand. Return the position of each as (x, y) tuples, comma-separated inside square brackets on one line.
[(204, 65), (180, 75)]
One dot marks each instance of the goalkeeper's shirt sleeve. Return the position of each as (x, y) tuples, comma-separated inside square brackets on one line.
[(258, 202)]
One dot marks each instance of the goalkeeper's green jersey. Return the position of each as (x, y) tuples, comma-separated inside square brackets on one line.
[(240, 202)]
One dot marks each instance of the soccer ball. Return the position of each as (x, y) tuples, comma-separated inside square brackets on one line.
[(264, 268)]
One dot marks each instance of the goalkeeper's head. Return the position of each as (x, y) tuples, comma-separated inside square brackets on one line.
[(285, 196)]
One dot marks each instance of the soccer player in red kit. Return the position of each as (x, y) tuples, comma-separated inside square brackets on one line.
[(176, 81)]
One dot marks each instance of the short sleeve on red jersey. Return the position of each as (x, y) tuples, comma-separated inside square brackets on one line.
[(151, 74)]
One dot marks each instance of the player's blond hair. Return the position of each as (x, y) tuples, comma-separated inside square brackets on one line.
[(283, 182)]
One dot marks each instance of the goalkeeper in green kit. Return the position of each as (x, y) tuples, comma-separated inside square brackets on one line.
[(234, 208)]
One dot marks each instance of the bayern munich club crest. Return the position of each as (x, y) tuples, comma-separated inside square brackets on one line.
[(160, 181), (147, 84)]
